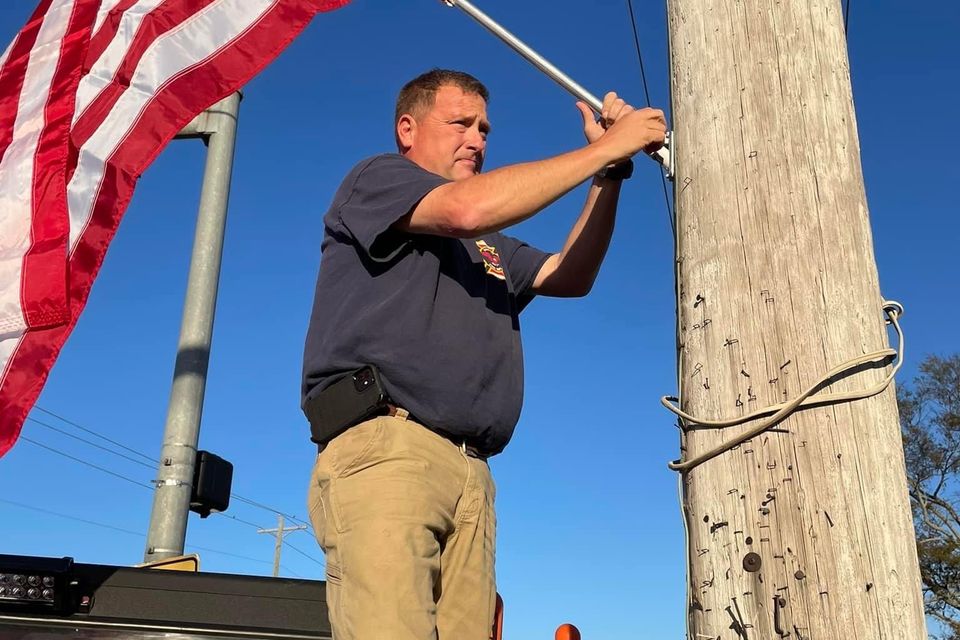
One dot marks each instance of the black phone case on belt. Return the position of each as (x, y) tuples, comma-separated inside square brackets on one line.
[(351, 399)]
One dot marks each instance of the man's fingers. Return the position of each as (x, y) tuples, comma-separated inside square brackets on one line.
[(585, 111), (615, 110), (625, 110), (609, 101)]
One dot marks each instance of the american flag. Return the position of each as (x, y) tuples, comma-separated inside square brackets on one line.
[(90, 93)]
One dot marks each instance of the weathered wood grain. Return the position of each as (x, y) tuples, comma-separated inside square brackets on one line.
[(777, 285)]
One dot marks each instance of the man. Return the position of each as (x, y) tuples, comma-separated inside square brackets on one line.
[(416, 280)]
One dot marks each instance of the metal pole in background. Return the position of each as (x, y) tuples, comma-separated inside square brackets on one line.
[(171, 502)]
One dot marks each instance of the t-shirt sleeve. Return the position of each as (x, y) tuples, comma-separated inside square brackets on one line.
[(523, 264), (384, 190)]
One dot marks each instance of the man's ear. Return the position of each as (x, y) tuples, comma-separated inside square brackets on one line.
[(406, 131)]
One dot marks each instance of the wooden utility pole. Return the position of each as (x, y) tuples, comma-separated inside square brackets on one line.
[(279, 532), (805, 530)]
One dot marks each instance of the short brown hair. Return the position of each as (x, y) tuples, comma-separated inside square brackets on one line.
[(419, 94)]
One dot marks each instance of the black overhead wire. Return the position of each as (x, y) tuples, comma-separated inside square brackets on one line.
[(122, 530), (258, 527), (74, 518), (154, 462), (94, 433), (141, 484), (290, 571), (84, 462), (304, 554), (646, 92), (846, 18), (241, 520), (254, 503), (636, 40), (147, 486), (92, 444)]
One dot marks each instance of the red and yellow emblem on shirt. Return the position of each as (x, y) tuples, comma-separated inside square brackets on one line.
[(491, 260)]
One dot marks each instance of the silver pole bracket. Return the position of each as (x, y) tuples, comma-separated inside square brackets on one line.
[(665, 155)]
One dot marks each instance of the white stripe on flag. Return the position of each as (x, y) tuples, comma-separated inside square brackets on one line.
[(8, 347), (106, 6), (6, 53), (17, 165), (102, 72), (202, 58), (181, 49)]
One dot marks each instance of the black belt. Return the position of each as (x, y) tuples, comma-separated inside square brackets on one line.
[(461, 443)]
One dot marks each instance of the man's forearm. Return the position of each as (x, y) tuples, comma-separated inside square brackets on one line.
[(503, 197), (573, 271)]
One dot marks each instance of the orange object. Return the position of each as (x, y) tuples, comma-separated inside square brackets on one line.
[(498, 620), (567, 632)]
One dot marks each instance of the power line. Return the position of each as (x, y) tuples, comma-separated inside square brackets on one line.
[(301, 552), (636, 40), (89, 464), (846, 18), (246, 522), (123, 477), (131, 480), (225, 553), (122, 530), (304, 554), (74, 518), (254, 503), (154, 462), (94, 433), (646, 91), (92, 444)]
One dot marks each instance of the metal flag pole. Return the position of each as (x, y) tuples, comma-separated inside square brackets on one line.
[(171, 503), (663, 155)]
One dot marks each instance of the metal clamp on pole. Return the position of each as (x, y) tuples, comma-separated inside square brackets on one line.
[(663, 155)]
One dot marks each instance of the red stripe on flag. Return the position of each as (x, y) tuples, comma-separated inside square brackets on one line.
[(104, 35), (13, 73), (43, 284), (162, 119), (158, 22)]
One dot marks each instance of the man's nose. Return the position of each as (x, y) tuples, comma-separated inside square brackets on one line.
[(476, 140)]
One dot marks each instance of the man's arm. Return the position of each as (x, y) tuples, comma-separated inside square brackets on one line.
[(572, 272), (503, 197)]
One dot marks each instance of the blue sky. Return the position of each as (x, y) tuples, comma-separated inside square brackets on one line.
[(588, 517)]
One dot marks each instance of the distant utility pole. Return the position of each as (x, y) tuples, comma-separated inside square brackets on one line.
[(280, 531), (804, 530)]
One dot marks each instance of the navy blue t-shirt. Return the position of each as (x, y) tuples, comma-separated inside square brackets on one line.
[(438, 316)]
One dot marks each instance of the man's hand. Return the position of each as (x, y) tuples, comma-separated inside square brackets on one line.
[(623, 129), (593, 126)]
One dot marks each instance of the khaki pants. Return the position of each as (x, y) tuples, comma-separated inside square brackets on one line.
[(406, 519)]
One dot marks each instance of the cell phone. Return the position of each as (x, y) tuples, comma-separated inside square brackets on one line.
[(351, 399)]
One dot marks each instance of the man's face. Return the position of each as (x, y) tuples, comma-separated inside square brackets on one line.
[(449, 139)]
